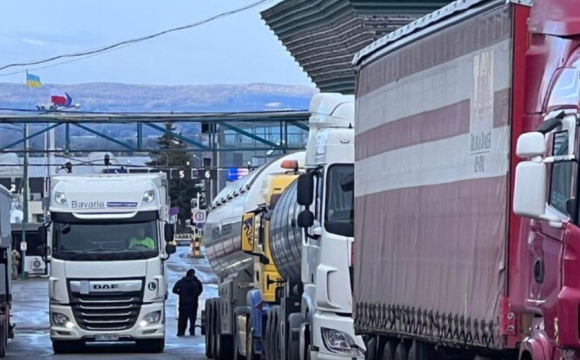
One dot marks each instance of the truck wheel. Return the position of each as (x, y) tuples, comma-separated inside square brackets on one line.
[(215, 330), (268, 344), (225, 346), (67, 347), (208, 330), (390, 350), (3, 340), (277, 339), (421, 351), (151, 346), (401, 353)]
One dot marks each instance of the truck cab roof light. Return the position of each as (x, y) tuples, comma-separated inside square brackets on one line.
[(289, 164)]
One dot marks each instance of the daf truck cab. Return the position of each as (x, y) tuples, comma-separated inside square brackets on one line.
[(107, 251)]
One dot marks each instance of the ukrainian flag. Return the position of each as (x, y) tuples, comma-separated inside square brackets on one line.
[(33, 81)]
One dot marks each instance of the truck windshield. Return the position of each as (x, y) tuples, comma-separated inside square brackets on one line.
[(339, 217), (105, 241)]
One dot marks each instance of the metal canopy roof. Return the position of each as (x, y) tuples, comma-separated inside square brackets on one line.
[(324, 35)]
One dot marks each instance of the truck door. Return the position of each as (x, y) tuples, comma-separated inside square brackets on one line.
[(547, 241)]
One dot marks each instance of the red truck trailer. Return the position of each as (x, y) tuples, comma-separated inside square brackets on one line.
[(443, 267)]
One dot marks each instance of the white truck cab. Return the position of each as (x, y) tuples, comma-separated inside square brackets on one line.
[(327, 218), (107, 252)]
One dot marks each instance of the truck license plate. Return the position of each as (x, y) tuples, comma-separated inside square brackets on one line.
[(106, 337)]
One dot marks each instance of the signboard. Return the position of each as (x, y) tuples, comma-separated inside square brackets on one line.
[(36, 185), (23, 246), (182, 174), (199, 226), (209, 174), (199, 216), (237, 173)]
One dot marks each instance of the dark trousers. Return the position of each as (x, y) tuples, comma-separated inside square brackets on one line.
[(187, 311)]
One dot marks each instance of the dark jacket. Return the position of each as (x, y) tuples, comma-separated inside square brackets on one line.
[(189, 289)]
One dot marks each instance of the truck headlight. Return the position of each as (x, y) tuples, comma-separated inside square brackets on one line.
[(148, 196), (60, 198), (339, 342), (59, 319), (151, 319)]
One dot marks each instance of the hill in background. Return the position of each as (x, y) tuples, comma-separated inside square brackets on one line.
[(114, 97)]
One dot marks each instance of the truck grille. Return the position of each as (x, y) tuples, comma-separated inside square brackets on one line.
[(106, 312)]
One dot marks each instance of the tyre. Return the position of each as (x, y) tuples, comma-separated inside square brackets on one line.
[(3, 340), (389, 350), (214, 330), (208, 330), (66, 347), (421, 351), (225, 347), (151, 346), (277, 339), (401, 353), (268, 344)]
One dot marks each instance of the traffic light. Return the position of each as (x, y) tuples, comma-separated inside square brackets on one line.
[(107, 160)]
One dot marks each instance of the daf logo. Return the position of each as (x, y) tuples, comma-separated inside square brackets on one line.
[(105, 286)]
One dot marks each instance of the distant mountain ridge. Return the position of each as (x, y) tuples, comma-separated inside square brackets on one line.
[(117, 97)]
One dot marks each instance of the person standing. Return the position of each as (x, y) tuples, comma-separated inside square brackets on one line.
[(189, 288)]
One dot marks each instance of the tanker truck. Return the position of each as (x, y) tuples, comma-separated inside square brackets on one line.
[(443, 268), (300, 304), (233, 265)]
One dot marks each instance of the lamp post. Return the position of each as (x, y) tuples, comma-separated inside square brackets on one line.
[(24, 245)]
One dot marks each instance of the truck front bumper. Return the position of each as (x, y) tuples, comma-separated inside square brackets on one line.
[(140, 331), (341, 324)]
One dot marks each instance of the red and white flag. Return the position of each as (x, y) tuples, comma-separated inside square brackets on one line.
[(60, 98)]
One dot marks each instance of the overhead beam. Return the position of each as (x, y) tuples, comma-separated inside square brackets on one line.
[(294, 148), (79, 117), (252, 136), (179, 136), (33, 135), (106, 137)]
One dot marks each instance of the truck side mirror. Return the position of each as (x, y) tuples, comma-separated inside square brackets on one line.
[(531, 144), (43, 235), (168, 232), (530, 190), (170, 249), (305, 219), (305, 196)]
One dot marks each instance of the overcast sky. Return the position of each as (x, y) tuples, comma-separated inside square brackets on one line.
[(236, 49)]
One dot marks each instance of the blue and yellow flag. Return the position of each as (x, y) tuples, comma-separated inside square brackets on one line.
[(33, 81)]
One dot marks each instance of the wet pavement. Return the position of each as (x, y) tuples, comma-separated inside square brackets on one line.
[(30, 314)]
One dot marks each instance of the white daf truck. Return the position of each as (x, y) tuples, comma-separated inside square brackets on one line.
[(107, 248)]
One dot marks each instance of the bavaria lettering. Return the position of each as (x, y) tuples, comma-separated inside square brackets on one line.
[(87, 204)]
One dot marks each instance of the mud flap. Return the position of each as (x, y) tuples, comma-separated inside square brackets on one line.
[(295, 321)]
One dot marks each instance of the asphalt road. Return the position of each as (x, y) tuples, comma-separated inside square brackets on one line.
[(30, 314)]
